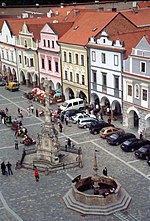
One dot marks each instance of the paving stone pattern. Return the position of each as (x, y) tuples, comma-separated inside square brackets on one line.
[(29, 200)]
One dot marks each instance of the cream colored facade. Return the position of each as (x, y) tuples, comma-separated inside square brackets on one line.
[(74, 71)]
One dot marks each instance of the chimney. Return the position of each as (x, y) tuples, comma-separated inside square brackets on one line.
[(135, 7), (76, 12)]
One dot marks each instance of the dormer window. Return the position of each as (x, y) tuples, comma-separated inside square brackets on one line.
[(44, 42), (25, 43), (104, 41), (76, 27)]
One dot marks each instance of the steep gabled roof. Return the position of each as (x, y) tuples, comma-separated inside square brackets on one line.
[(140, 17), (131, 39), (87, 25), (61, 28)]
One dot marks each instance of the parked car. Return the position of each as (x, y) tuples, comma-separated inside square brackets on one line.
[(73, 112), (133, 144), (96, 127), (78, 116), (86, 122), (118, 138), (12, 86), (2, 82), (107, 131), (143, 152)]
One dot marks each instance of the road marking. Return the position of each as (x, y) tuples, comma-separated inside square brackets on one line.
[(87, 141), (133, 161), (8, 209), (69, 175), (127, 164)]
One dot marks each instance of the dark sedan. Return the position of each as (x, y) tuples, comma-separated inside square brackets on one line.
[(73, 112), (133, 144), (118, 138), (2, 82), (143, 152), (96, 127)]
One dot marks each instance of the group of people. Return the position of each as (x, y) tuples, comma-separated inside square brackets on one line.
[(6, 168), (4, 115)]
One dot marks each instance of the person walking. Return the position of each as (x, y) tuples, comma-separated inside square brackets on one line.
[(16, 143), (141, 135), (105, 171), (69, 143), (9, 170), (3, 168), (60, 127), (36, 174), (37, 112), (32, 108)]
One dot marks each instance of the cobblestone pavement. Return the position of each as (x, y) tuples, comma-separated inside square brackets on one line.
[(23, 199)]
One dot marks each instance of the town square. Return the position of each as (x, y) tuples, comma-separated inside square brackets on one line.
[(75, 111)]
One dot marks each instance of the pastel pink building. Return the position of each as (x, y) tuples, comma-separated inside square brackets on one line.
[(49, 53)]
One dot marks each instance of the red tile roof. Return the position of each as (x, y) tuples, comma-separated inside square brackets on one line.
[(141, 18), (143, 4), (131, 39), (86, 25), (61, 28)]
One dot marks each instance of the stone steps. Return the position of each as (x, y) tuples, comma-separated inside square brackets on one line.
[(85, 209)]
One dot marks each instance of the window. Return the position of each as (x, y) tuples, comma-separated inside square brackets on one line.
[(116, 83), (31, 62), (80, 102), (94, 77), (7, 55), (52, 44), (103, 58), (20, 60), (66, 75), (116, 60), (65, 56), (56, 66), (2, 54), (12, 57), (77, 59), (93, 56), (82, 60), (143, 67), (70, 58), (83, 80), (71, 77), (104, 79), (43, 63), (25, 43), (44, 42), (129, 90), (137, 91), (75, 103), (77, 78), (48, 42), (49, 65), (144, 95), (25, 60)]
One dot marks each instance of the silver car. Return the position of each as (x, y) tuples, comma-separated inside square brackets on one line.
[(86, 122)]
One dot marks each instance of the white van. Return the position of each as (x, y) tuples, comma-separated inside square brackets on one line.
[(76, 103)]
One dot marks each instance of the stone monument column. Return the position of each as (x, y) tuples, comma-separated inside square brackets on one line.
[(48, 146)]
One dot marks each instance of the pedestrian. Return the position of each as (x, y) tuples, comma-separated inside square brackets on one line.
[(3, 168), (16, 143), (60, 127), (36, 174), (6, 110), (32, 108), (66, 120), (9, 170), (141, 135), (18, 111), (109, 120), (37, 112), (69, 143), (105, 171), (62, 118), (21, 114), (66, 143)]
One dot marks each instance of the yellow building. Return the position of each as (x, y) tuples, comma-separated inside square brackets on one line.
[(74, 58)]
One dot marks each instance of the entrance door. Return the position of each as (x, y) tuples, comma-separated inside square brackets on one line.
[(136, 120)]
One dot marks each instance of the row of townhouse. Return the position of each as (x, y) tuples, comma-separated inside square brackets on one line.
[(100, 56)]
